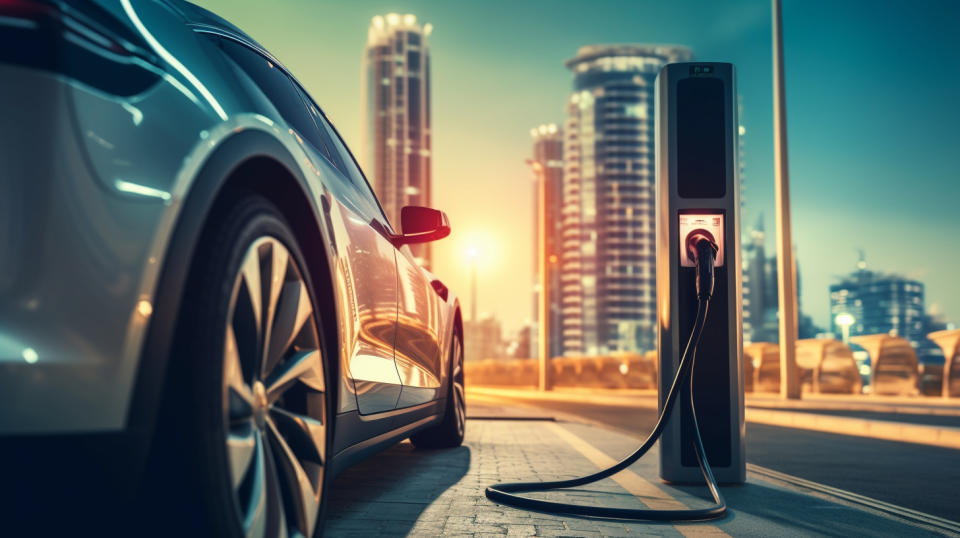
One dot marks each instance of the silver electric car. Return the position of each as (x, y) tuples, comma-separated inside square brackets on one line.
[(202, 303)]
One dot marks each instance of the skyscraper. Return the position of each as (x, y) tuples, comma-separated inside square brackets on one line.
[(482, 338), (880, 304), (761, 309), (397, 96), (607, 270), (756, 300), (548, 154)]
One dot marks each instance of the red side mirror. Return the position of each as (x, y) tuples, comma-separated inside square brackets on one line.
[(422, 225)]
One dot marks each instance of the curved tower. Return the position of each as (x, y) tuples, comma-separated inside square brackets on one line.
[(607, 272)]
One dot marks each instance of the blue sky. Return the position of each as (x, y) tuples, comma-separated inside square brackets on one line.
[(873, 117)]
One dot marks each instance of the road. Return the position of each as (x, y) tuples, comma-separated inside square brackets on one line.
[(919, 477)]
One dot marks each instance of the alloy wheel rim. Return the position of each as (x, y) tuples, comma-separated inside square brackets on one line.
[(459, 396), (273, 387)]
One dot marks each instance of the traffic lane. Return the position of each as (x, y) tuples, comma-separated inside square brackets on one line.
[(914, 476)]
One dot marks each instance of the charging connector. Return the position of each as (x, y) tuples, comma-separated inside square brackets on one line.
[(703, 249)]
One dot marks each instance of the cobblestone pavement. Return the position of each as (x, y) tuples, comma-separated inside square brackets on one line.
[(405, 491)]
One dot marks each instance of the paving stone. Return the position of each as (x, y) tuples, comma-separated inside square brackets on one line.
[(521, 530), (431, 493), (455, 528)]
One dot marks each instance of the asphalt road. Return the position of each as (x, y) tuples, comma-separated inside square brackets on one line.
[(919, 477)]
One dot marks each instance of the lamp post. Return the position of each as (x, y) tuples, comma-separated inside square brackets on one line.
[(845, 320), (786, 269), (543, 299), (472, 256)]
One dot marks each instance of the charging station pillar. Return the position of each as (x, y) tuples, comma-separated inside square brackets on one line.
[(697, 188)]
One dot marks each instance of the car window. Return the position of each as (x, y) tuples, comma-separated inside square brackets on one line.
[(318, 120), (279, 89), (350, 166)]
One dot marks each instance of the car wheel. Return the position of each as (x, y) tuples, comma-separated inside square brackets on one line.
[(449, 433), (253, 382)]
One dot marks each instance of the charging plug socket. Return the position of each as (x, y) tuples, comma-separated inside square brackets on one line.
[(708, 225)]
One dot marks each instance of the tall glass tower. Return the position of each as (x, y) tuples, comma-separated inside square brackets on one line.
[(548, 152), (397, 144), (608, 261)]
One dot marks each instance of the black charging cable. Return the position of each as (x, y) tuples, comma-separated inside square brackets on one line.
[(704, 251)]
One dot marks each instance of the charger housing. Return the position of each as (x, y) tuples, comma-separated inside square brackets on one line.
[(698, 193)]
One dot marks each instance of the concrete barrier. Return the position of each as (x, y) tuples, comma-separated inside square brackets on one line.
[(931, 379), (628, 371), (949, 342), (894, 367), (764, 358), (828, 366)]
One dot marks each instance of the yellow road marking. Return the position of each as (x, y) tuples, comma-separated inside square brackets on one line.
[(651, 495)]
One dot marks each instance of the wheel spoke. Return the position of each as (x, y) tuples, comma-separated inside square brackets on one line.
[(306, 436), (233, 377), (459, 403), (458, 389), (300, 495), (278, 271), (276, 267), (275, 509), (250, 270), (255, 520), (293, 310), (241, 448), (302, 364)]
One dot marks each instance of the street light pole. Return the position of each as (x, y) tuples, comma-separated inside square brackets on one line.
[(845, 320), (786, 268), (473, 285), (543, 298)]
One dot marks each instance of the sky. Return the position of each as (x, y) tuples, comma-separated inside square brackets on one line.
[(872, 111)]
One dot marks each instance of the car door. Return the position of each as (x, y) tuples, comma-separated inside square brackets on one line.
[(417, 348), (372, 277), (418, 355), (365, 260)]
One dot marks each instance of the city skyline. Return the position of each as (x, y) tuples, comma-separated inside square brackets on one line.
[(852, 151)]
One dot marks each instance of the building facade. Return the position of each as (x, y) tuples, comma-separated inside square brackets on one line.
[(880, 304), (397, 141), (761, 306), (548, 159), (757, 299), (608, 261), (482, 339)]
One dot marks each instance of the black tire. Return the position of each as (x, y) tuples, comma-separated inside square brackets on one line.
[(203, 481), (450, 431)]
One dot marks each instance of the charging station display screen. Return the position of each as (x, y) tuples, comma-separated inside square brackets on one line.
[(701, 140)]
